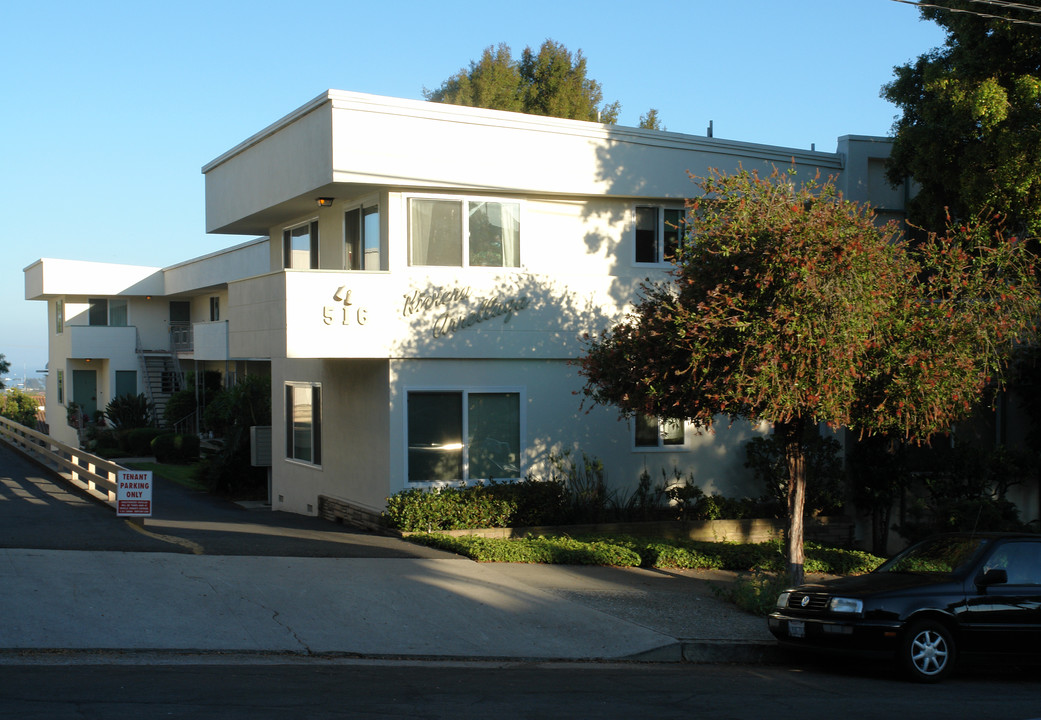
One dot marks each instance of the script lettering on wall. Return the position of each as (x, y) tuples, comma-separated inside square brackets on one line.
[(453, 309), (345, 312)]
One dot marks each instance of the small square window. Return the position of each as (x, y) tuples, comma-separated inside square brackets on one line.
[(658, 233), (652, 432)]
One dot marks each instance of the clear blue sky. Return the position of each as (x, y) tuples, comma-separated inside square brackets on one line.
[(110, 109)]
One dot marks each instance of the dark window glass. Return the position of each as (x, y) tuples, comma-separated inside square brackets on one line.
[(646, 234), (98, 313), (435, 436)]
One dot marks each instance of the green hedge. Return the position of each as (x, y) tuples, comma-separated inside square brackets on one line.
[(175, 449), (484, 505)]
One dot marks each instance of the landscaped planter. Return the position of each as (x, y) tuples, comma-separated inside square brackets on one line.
[(837, 530)]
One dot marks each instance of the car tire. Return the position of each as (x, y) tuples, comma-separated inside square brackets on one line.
[(927, 651)]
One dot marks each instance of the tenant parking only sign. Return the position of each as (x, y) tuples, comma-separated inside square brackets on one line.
[(134, 493)]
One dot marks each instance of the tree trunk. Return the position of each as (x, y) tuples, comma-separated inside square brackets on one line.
[(790, 435)]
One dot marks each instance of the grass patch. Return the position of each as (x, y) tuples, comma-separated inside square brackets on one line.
[(183, 475)]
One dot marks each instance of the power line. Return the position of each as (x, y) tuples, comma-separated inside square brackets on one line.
[(1009, 5), (998, 3)]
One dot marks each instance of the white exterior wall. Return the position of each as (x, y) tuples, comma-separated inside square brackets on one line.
[(554, 420), (355, 441)]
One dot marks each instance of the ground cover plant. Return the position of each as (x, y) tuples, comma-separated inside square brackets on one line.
[(631, 551), (761, 565), (180, 474)]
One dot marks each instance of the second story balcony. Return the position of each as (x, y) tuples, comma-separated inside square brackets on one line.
[(421, 313), (94, 341)]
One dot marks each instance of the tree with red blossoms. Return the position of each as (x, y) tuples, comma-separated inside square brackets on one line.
[(790, 305)]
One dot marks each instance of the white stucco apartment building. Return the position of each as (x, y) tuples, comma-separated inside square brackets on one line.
[(422, 279)]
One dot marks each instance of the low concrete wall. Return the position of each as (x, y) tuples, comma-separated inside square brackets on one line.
[(341, 511)]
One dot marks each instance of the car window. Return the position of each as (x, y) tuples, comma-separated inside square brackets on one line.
[(938, 555), (1021, 560)]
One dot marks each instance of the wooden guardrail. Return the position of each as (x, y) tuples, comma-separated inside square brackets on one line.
[(91, 473)]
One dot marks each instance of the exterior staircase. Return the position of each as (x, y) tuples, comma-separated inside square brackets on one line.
[(162, 380)]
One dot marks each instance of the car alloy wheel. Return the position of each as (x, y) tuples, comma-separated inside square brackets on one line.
[(927, 651)]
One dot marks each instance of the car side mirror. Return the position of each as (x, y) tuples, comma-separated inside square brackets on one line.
[(994, 576)]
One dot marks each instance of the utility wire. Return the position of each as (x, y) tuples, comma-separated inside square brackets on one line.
[(1009, 5), (999, 3)]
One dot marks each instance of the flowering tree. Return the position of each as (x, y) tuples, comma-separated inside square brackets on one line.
[(789, 305)]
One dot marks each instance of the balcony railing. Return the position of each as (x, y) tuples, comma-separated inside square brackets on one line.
[(180, 336)]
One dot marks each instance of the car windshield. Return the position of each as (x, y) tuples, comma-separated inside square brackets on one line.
[(939, 555)]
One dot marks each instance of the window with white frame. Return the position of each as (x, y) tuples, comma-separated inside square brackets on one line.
[(59, 317), (300, 246), (463, 435), (652, 432), (214, 308), (304, 422), (363, 245), (463, 233), (659, 231)]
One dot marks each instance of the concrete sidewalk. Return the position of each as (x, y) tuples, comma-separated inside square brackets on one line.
[(366, 607)]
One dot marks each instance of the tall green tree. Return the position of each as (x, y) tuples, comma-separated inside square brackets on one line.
[(19, 406), (549, 82), (4, 367), (789, 305), (651, 121), (970, 129)]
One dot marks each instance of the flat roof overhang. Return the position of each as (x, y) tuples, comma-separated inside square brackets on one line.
[(346, 144)]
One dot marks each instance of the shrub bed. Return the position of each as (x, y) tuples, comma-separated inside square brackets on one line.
[(649, 552), (174, 449), (515, 504)]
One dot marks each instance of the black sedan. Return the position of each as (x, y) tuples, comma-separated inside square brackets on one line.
[(950, 594)]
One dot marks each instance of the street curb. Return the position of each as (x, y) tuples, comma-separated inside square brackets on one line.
[(745, 652), (694, 652)]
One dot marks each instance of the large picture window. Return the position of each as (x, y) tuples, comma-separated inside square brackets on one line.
[(300, 246), (463, 435), (651, 432), (304, 422), (659, 232), (472, 233)]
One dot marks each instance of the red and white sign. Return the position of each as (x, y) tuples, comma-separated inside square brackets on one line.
[(134, 493)]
